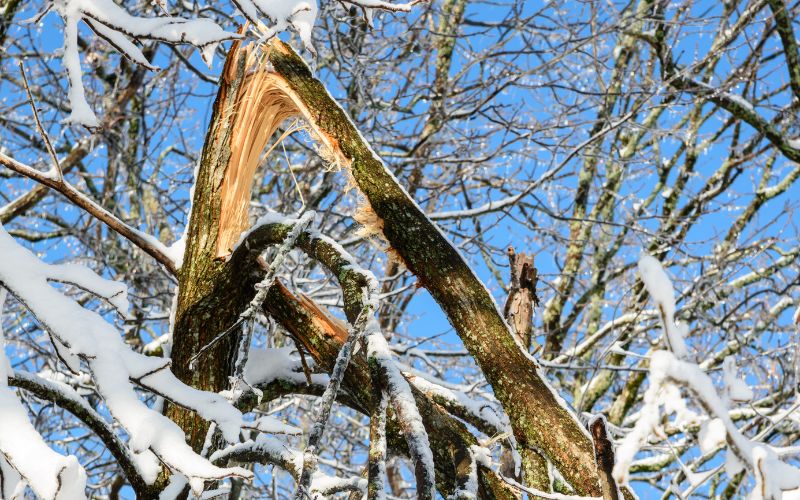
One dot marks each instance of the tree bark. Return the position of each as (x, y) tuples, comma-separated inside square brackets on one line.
[(539, 418), (212, 293)]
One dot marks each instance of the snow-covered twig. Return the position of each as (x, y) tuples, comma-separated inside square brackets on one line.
[(323, 409), (376, 472), (115, 25), (298, 15), (83, 338), (267, 450), (405, 407), (535, 493), (49, 474), (483, 415), (369, 6), (667, 372), (67, 398), (146, 242), (659, 286), (263, 287), (24, 456)]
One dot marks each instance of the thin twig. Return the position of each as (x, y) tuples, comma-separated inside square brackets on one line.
[(147, 243), (323, 410), (56, 169)]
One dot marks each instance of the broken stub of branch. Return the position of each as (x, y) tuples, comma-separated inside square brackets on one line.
[(604, 456), (521, 300)]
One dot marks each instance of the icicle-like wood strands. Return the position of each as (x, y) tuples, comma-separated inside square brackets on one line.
[(261, 107), (264, 102)]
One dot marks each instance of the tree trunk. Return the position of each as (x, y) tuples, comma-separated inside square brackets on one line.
[(212, 293)]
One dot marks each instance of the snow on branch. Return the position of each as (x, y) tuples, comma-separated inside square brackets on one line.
[(668, 374), (405, 407), (120, 29), (297, 15), (84, 338), (660, 288), (24, 456), (49, 474), (123, 30), (64, 396), (359, 287), (268, 450)]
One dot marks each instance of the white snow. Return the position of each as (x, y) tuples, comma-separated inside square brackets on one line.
[(5, 366), (298, 15), (665, 369), (659, 286), (667, 372), (280, 363), (736, 388), (796, 317), (712, 435), (482, 410), (272, 425), (114, 366), (49, 474), (81, 113), (740, 101), (114, 292), (115, 24), (176, 250)]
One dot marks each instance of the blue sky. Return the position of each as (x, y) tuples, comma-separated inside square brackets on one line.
[(427, 319)]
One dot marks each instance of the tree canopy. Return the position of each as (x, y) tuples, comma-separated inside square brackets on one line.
[(281, 249)]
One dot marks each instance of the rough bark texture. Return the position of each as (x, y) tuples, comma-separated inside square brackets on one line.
[(539, 418), (518, 310), (323, 338), (604, 455), (212, 293)]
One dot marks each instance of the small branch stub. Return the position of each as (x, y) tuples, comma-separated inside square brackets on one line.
[(522, 298)]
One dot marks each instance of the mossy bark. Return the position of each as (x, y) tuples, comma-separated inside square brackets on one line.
[(539, 419), (212, 293), (449, 438)]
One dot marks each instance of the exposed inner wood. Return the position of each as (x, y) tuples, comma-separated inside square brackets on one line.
[(263, 103)]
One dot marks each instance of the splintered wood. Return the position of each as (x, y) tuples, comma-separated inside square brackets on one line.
[(263, 103), (261, 106)]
